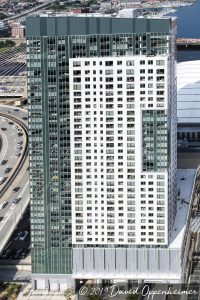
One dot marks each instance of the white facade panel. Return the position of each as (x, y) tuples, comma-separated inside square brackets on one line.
[(63, 286), (114, 201), (54, 286), (40, 284), (156, 264)]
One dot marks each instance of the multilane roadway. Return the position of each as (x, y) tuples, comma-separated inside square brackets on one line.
[(18, 175)]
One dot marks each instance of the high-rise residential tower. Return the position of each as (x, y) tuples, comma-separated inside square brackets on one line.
[(102, 122)]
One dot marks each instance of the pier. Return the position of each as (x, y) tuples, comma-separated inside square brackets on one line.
[(188, 43)]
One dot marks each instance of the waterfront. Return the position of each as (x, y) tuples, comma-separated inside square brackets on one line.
[(188, 20)]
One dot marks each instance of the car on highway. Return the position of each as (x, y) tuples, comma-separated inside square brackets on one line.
[(8, 169), (16, 200), (3, 162), (23, 236), (16, 189), (2, 205), (17, 236), (4, 128)]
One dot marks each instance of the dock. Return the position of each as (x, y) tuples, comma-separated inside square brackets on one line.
[(188, 42)]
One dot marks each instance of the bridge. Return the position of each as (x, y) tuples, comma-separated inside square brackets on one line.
[(187, 42), (13, 72), (32, 10)]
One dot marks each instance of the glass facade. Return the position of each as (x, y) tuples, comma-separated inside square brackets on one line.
[(155, 141), (49, 132), (119, 45)]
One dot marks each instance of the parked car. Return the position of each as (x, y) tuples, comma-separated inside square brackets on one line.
[(24, 253), (17, 254), (3, 128), (6, 254), (17, 235), (12, 253), (3, 162), (23, 236), (1, 218)]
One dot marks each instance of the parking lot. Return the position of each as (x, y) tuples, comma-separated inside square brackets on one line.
[(18, 247)]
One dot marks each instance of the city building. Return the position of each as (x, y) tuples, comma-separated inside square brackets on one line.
[(127, 3), (102, 124), (18, 31), (4, 29), (128, 13)]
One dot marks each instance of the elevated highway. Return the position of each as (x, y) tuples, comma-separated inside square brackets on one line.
[(32, 10), (19, 177)]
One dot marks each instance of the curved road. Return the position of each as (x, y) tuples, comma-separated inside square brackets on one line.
[(19, 177)]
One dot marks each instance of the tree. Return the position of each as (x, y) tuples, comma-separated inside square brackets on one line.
[(68, 293), (132, 297), (93, 297)]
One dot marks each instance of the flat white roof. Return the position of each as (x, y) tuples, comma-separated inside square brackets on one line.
[(188, 92), (185, 180)]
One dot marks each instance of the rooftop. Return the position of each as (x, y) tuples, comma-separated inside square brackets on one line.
[(84, 25), (188, 92), (185, 180)]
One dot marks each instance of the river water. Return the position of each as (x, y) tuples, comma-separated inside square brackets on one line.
[(188, 22)]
